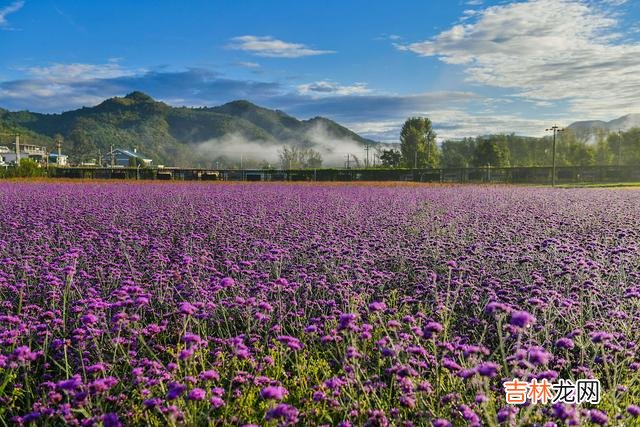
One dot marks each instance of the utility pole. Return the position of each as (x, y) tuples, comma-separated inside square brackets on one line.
[(366, 148), (348, 163), (415, 158), (427, 159), (59, 146), (113, 162), (619, 148), (555, 130), (17, 149)]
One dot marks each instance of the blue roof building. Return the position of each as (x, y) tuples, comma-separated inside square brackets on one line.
[(125, 158)]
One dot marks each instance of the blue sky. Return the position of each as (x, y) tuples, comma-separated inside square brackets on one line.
[(472, 66)]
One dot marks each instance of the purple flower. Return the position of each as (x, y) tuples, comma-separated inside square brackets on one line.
[(23, 354), (352, 353), (566, 343), (598, 417), (538, 356), (187, 308), (441, 422), (634, 410), (431, 329), (287, 413), (197, 394), (89, 319), (318, 396), (227, 282), (522, 319), (210, 375), (152, 403), (450, 364), (488, 369), (494, 306), (111, 420), (175, 391), (291, 342), (346, 321), (70, 384), (310, 329), (377, 306), (600, 336), (191, 338), (506, 413), (469, 415), (216, 402), (274, 392)]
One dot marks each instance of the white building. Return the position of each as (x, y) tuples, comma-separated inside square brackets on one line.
[(30, 151)]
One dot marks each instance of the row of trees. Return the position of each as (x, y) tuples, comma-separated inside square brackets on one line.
[(293, 157), (418, 149)]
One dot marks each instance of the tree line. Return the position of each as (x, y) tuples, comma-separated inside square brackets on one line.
[(418, 149)]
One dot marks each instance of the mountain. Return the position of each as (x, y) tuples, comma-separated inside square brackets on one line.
[(174, 135), (588, 130)]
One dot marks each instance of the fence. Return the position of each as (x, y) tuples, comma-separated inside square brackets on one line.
[(515, 175)]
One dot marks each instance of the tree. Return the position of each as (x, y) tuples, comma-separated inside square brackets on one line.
[(572, 152), (603, 153), (390, 158), (458, 154), (290, 157), (490, 153), (313, 159), (293, 157), (418, 143)]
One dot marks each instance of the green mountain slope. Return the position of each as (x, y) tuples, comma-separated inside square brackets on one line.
[(169, 135)]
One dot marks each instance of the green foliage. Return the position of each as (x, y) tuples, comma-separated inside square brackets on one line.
[(519, 151), (458, 154), (418, 143), (27, 168), (390, 158), (490, 153)]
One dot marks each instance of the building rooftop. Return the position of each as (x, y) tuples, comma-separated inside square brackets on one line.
[(131, 154)]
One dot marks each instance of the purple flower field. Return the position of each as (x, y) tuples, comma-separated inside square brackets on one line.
[(265, 304)]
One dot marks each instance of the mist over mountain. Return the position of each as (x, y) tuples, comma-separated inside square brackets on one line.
[(588, 130), (183, 136)]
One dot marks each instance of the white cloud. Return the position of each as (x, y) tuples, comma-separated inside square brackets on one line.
[(274, 48), (452, 123), (329, 88), (64, 73), (247, 64), (546, 50), (385, 36), (63, 84), (7, 10)]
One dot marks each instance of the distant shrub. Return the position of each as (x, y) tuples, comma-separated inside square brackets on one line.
[(26, 169)]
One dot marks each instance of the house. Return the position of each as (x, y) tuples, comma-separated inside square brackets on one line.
[(27, 151), (125, 158), (58, 159), (4, 150)]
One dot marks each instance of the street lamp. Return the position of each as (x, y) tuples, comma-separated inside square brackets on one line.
[(555, 130)]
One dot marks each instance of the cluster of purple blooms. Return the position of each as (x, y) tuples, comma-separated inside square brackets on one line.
[(156, 304)]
